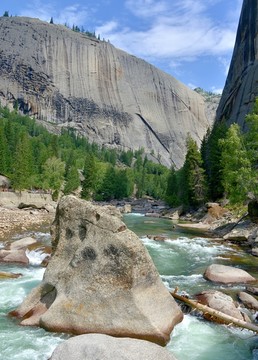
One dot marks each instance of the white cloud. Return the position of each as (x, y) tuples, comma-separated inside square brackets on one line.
[(39, 10), (225, 62), (216, 91), (181, 29), (73, 14), (146, 8), (192, 86)]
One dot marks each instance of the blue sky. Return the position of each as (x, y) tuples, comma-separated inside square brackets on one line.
[(191, 40)]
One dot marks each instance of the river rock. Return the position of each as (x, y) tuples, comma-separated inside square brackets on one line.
[(14, 256), (219, 301), (248, 300), (227, 275), (252, 290), (21, 243), (104, 347), (100, 279), (8, 275)]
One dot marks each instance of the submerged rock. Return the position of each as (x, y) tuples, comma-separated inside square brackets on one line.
[(100, 279), (227, 275), (8, 275), (98, 346)]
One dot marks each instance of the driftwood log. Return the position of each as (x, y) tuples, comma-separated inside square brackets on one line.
[(226, 319)]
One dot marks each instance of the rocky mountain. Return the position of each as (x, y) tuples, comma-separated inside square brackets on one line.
[(241, 85), (211, 103), (67, 79)]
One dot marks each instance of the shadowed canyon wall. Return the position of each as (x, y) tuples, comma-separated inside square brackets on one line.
[(241, 86)]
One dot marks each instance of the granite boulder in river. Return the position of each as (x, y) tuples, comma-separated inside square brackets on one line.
[(100, 279)]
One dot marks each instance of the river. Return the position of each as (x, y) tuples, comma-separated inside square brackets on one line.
[(180, 260)]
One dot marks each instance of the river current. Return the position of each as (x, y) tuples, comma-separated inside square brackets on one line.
[(180, 260)]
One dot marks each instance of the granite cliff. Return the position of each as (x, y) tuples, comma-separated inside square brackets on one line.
[(241, 85), (67, 79)]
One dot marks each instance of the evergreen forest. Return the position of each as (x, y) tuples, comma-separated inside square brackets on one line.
[(37, 160), (225, 167)]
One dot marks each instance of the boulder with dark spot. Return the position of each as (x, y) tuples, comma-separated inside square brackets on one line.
[(100, 279)]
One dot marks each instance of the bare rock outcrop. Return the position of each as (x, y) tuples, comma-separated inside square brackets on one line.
[(227, 275), (104, 347), (241, 88), (67, 79), (100, 279)]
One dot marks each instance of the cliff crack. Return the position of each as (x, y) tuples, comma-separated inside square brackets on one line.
[(153, 132)]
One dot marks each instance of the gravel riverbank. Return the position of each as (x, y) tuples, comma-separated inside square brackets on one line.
[(17, 220)]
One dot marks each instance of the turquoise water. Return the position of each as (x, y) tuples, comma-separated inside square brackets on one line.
[(180, 260)]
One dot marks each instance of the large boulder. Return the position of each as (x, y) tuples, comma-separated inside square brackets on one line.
[(14, 256), (100, 279), (217, 300), (227, 275), (104, 347)]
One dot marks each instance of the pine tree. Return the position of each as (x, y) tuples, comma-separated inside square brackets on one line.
[(194, 187), (73, 180), (211, 156), (90, 176), (3, 152), (23, 166), (251, 136), (172, 191), (251, 144), (108, 187), (53, 174), (235, 166)]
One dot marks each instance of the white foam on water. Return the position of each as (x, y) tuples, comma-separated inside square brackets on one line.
[(35, 256), (151, 243), (196, 339), (199, 248), (134, 214), (30, 344), (13, 291), (184, 282)]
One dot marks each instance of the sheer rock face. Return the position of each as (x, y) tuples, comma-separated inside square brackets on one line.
[(113, 98), (100, 279), (241, 85)]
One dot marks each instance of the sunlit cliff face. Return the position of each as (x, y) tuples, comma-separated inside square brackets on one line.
[(68, 79)]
